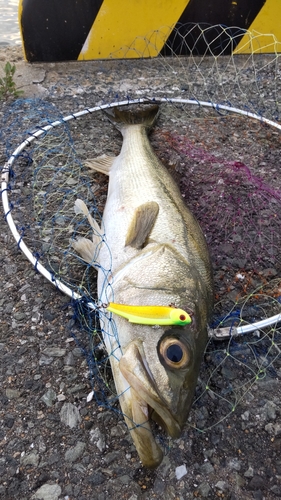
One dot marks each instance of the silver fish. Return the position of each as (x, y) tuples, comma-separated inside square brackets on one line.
[(154, 254)]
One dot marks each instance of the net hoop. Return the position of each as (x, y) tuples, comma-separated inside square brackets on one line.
[(220, 333)]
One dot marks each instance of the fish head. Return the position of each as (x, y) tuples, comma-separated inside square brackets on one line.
[(160, 367)]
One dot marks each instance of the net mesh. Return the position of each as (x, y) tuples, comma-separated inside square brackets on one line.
[(227, 166)]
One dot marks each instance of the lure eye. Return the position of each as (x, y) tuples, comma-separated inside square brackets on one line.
[(174, 353), (182, 317)]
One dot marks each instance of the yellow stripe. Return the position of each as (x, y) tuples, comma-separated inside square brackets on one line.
[(265, 31), (118, 24)]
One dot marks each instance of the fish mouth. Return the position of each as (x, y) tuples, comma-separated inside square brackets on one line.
[(140, 403)]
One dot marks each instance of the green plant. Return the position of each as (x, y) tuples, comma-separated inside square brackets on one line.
[(7, 84)]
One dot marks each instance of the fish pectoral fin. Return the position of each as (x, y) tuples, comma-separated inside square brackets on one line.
[(87, 250), (101, 164), (141, 226)]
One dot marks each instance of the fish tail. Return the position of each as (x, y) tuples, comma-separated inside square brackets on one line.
[(121, 118)]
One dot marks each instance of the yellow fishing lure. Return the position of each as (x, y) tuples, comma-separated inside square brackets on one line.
[(150, 315)]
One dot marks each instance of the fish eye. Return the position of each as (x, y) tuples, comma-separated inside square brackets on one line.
[(174, 352)]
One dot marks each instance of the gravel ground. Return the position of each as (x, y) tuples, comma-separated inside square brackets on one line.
[(53, 443)]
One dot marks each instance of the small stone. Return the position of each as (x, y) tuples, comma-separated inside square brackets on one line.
[(68, 490), (117, 431), (77, 352), (206, 468), (49, 397), (36, 317), (270, 409), (30, 459), (69, 359), (76, 388), (276, 490), (41, 444), (70, 415), (55, 352), (125, 479), (12, 393), (19, 316), (97, 478), (159, 486), (240, 481), (277, 429), (256, 483), (249, 472), (111, 457), (222, 486), (53, 458), (235, 464), (98, 438), (45, 360), (181, 471), (80, 468), (204, 489), (47, 492), (73, 453), (61, 397)]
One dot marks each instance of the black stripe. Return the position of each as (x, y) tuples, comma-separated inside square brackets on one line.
[(217, 18), (55, 30)]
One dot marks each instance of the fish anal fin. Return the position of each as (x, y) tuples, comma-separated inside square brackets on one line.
[(87, 249), (100, 164), (141, 226)]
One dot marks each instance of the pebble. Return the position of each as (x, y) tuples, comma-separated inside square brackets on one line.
[(204, 489), (70, 415), (276, 490), (125, 479), (257, 483), (206, 468), (181, 471), (159, 486), (117, 430), (249, 472), (234, 464), (49, 397), (221, 485), (76, 388), (80, 468), (45, 360), (19, 316), (98, 438), (47, 492), (111, 457), (12, 393), (72, 454), (55, 352), (30, 459), (97, 478), (69, 359), (53, 458)]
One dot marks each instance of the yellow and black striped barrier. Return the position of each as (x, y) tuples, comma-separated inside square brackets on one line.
[(60, 30)]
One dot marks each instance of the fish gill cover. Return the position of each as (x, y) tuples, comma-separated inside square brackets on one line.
[(227, 166)]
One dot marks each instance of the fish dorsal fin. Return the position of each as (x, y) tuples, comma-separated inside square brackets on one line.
[(141, 226), (101, 164)]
